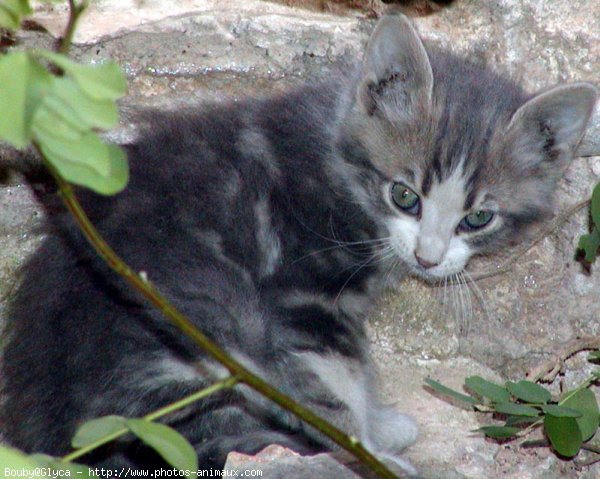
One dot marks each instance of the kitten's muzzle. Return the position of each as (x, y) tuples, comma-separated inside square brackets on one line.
[(424, 263)]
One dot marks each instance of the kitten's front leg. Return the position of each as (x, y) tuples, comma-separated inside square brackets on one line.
[(352, 405), (390, 432)]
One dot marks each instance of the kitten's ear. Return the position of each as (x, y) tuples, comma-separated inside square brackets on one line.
[(553, 123), (395, 66)]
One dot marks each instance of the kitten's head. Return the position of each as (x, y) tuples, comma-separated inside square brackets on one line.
[(449, 158)]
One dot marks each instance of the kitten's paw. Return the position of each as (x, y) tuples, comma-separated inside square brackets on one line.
[(399, 465), (391, 431)]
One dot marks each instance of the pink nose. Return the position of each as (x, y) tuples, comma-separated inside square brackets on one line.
[(424, 263)]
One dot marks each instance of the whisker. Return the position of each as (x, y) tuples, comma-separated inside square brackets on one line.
[(382, 256), (354, 273), (452, 289), (368, 244), (469, 311), (397, 261), (462, 301), (445, 309), (371, 259), (479, 296), (334, 239)]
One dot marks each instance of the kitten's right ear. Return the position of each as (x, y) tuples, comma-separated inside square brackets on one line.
[(395, 67), (551, 124)]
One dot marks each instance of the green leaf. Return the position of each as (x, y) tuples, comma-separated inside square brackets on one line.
[(12, 11), (516, 409), (595, 207), (66, 469), (15, 460), (594, 356), (76, 169), (102, 82), (41, 459), (529, 392), (24, 82), (172, 446), (72, 469), (48, 123), (586, 403), (96, 429), (589, 244), (16, 7), (499, 432), (564, 435), (7, 19), (88, 151), (487, 389), (560, 411), (82, 112), (436, 386)]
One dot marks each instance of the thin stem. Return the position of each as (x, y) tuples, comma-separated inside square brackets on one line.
[(95, 445), (588, 463), (548, 370), (592, 448), (145, 287), (75, 12), (186, 401), (228, 382), (528, 430), (583, 385)]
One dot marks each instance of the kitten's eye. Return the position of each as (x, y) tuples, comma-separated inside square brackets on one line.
[(405, 198), (476, 220)]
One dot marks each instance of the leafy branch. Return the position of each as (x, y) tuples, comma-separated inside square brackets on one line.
[(568, 421), (172, 447), (59, 115)]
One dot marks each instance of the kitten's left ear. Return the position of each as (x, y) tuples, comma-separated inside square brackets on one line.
[(553, 123), (396, 68)]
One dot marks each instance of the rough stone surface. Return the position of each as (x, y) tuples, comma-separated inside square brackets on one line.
[(276, 462), (195, 50)]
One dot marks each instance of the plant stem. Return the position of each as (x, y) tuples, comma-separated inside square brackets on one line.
[(591, 447), (548, 370), (228, 382), (75, 12), (225, 383), (570, 393), (143, 286), (528, 430)]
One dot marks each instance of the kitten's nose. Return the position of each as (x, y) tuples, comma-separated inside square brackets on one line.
[(424, 263)]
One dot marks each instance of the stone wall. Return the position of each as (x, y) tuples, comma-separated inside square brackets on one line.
[(192, 50)]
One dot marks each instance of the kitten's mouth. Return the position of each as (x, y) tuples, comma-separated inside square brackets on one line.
[(426, 275), (432, 275)]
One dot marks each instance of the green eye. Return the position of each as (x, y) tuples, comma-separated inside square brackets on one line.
[(405, 198), (477, 220)]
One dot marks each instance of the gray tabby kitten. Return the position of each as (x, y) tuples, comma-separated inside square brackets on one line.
[(271, 224)]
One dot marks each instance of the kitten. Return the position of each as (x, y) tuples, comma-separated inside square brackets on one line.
[(273, 224)]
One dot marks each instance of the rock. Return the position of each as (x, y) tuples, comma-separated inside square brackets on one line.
[(276, 462), (19, 215)]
